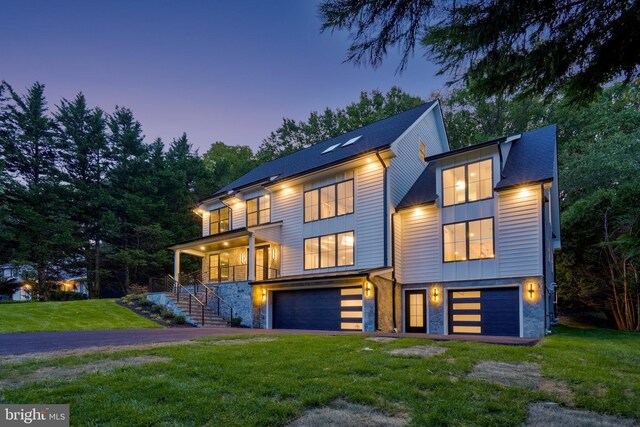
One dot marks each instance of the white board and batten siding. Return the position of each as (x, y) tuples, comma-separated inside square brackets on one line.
[(519, 232), (407, 166)]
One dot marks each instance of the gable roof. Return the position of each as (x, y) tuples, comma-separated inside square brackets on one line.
[(372, 137), (532, 158)]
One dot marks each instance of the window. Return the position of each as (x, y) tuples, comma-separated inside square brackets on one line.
[(481, 239), (329, 251), (259, 210), (468, 240), (423, 151), (219, 220), (468, 183), (327, 202)]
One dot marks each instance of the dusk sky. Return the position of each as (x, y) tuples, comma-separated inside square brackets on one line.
[(227, 71)]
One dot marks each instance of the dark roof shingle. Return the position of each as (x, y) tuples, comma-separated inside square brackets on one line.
[(374, 136)]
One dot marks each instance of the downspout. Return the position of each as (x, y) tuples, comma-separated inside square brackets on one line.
[(544, 258), (393, 271), (385, 209), (375, 301)]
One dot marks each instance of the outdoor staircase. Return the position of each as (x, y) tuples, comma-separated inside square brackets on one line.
[(199, 301), (211, 319)]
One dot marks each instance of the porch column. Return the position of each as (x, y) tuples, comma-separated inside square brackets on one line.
[(176, 264), (251, 262)]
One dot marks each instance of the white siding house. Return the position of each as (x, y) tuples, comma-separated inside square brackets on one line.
[(328, 237)]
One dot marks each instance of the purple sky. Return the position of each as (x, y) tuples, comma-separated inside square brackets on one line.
[(218, 71)]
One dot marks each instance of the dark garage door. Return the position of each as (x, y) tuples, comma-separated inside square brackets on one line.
[(328, 309), (494, 311)]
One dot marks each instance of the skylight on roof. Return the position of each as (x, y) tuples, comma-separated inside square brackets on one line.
[(352, 140), (333, 147)]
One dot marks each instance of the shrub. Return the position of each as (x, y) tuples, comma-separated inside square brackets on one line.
[(180, 319), (66, 296), (144, 302), (236, 321), (167, 314), (157, 308), (156, 317)]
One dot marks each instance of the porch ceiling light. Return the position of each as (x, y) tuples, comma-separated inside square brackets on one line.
[(202, 248)]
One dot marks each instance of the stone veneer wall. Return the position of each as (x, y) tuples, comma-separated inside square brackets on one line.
[(162, 299), (239, 296), (533, 312)]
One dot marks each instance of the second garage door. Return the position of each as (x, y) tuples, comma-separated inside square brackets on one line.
[(493, 311), (328, 309)]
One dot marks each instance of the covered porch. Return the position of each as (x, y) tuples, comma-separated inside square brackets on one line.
[(234, 256)]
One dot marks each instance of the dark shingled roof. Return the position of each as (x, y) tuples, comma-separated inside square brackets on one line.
[(374, 136), (531, 159), (423, 191)]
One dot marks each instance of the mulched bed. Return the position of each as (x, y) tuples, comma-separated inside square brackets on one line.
[(152, 313)]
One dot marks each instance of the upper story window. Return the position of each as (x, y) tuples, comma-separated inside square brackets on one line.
[(329, 251), (468, 183), (468, 240), (423, 150), (219, 220), (326, 202), (259, 210)]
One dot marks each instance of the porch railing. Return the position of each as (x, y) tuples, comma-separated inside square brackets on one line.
[(217, 304), (226, 274)]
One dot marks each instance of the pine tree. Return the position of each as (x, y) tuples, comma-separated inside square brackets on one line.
[(40, 221), (81, 141)]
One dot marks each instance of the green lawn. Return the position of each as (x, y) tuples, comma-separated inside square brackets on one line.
[(272, 383), (69, 316)]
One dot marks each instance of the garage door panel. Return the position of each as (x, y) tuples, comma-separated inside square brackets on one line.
[(493, 311), (330, 309)]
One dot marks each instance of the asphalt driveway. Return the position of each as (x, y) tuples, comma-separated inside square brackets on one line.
[(41, 342)]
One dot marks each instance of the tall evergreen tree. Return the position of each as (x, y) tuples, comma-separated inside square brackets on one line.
[(40, 220), (84, 155)]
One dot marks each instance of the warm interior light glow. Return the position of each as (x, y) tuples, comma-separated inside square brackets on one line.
[(459, 185), (243, 258), (347, 241)]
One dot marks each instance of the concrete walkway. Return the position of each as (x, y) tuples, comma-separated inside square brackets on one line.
[(42, 342)]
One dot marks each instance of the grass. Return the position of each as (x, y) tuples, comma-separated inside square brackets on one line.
[(69, 316), (272, 383)]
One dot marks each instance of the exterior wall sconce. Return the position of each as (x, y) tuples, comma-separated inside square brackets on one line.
[(531, 290), (367, 289), (243, 258), (435, 295), (264, 294), (273, 253)]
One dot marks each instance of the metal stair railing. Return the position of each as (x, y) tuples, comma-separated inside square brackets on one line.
[(173, 286), (195, 279)]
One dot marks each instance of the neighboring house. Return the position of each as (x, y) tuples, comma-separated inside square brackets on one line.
[(67, 282), (386, 228)]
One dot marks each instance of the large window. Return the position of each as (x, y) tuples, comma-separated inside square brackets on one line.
[(468, 183), (219, 220), (468, 240), (259, 210), (327, 202), (329, 251)]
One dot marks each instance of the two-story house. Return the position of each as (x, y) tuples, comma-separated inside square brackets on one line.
[(386, 228)]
